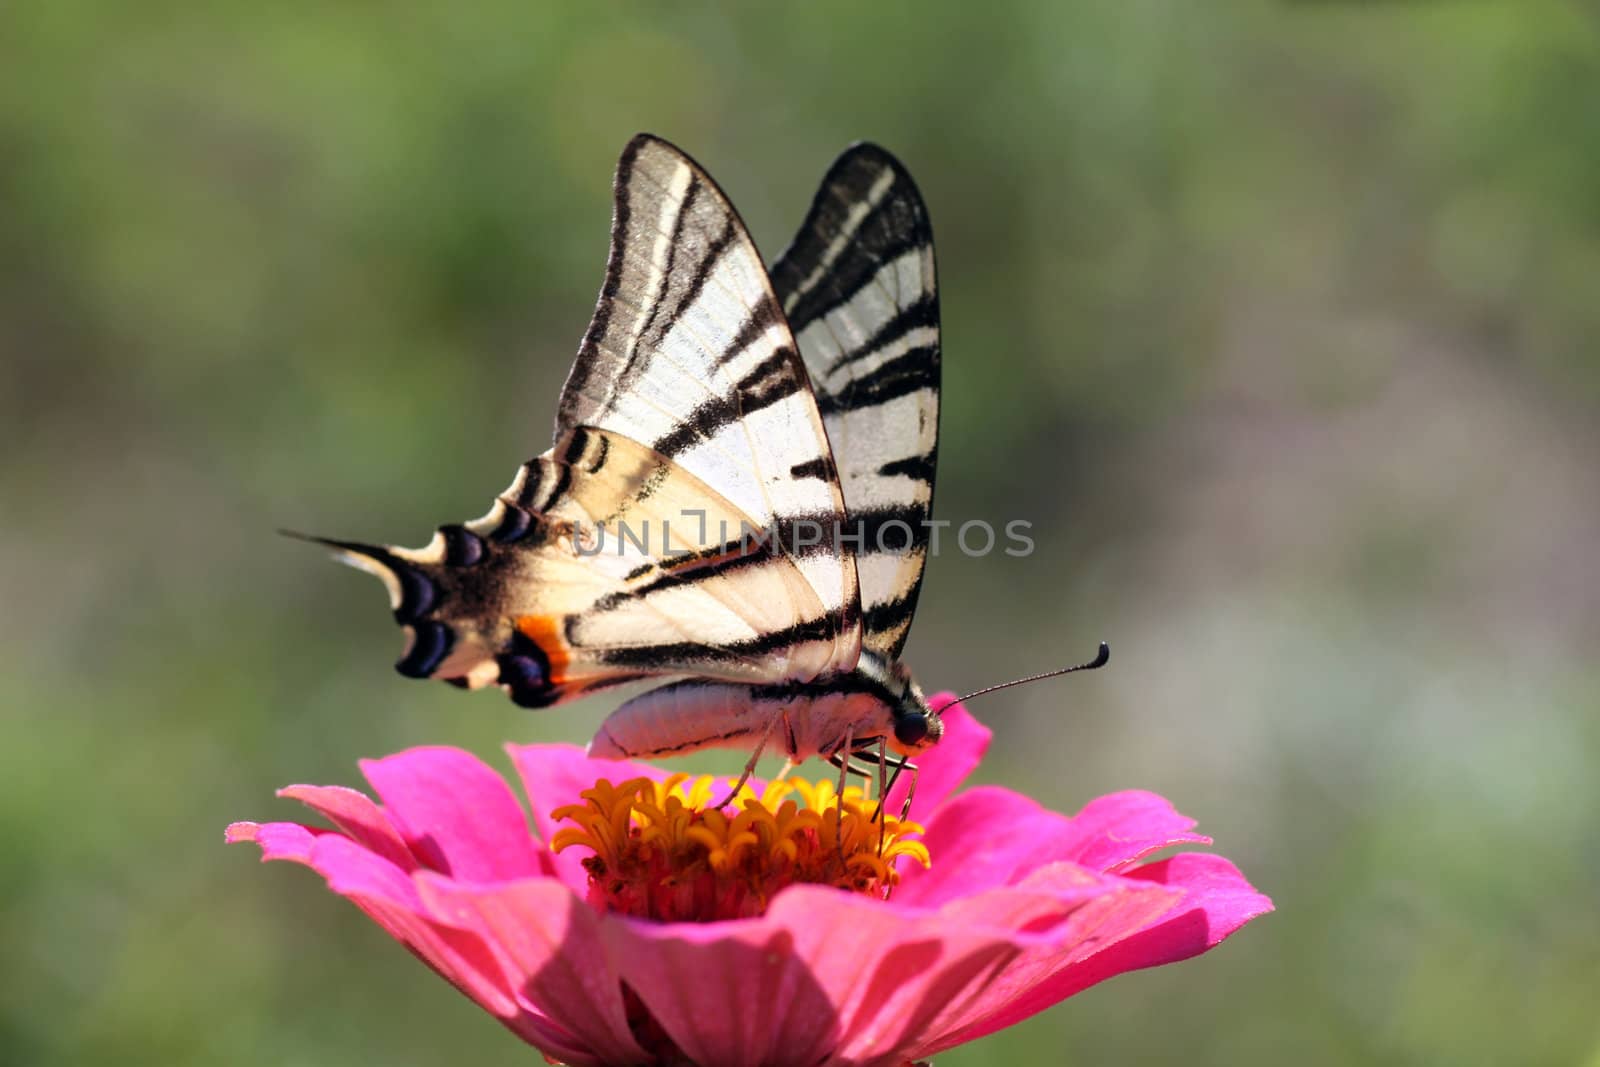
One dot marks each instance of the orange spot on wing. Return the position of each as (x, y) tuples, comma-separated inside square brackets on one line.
[(545, 631)]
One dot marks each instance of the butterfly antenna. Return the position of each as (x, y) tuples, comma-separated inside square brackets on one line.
[(1100, 660)]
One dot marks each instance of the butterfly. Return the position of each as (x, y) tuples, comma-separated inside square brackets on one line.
[(711, 399)]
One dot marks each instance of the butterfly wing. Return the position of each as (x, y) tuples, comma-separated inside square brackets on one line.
[(687, 416), (689, 353), (859, 291)]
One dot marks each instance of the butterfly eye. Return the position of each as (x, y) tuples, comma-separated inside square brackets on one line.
[(911, 728)]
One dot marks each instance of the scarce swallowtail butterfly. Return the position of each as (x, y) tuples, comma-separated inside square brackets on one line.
[(773, 433)]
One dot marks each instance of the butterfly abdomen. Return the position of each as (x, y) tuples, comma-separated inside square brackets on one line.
[(807, 718), (682, 717)]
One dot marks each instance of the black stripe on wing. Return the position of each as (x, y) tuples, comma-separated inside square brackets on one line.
[(652, 659), (868, 212), (769, 382), (913, 371), (859, 288)]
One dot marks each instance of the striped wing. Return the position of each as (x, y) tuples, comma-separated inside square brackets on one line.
[(858, 289), (689, 353), (546, 597), (688, 417)]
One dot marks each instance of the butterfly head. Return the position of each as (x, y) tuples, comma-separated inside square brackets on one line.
[(917, 727)]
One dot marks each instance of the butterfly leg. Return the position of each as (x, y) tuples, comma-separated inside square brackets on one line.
[(838, 760), (900, 764), (911, 790), (883, 775), (789, 763), (885, 783), (842, 754), (750, 764)]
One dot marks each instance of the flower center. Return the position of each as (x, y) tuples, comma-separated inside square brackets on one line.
[(659, 851)]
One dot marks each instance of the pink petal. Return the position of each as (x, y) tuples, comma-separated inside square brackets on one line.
[(1049, 896), (549, 940), (1115, 831), (987, 836), (784, 989), (832, 977), (1211, 882), (1216, 901), (390, 898), (456, 815), (380, 888), (947, 764), (733, 993), (354, 871), (992, 836), (1106, 909), (354, 812), (346, 866), (278, 840), (554, 775)]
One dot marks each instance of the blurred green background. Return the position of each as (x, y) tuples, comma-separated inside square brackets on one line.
[(1277, 320)]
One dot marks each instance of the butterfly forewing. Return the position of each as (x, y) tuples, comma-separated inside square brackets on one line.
[(859, 291), (689, 353)]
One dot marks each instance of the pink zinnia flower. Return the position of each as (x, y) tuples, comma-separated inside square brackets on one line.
[(660, 933)]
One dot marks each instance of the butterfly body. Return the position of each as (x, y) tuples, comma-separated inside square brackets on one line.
[(737, 491), (832, 717)]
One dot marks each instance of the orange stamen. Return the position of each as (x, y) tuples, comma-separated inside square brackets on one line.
[(660, 853)]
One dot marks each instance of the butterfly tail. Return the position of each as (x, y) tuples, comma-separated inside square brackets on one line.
[(413, 594)]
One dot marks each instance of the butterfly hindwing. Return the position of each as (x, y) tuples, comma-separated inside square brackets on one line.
[(529, 598), (858, 289)]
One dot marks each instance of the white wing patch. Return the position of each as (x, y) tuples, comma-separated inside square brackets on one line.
[(858, 286)]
